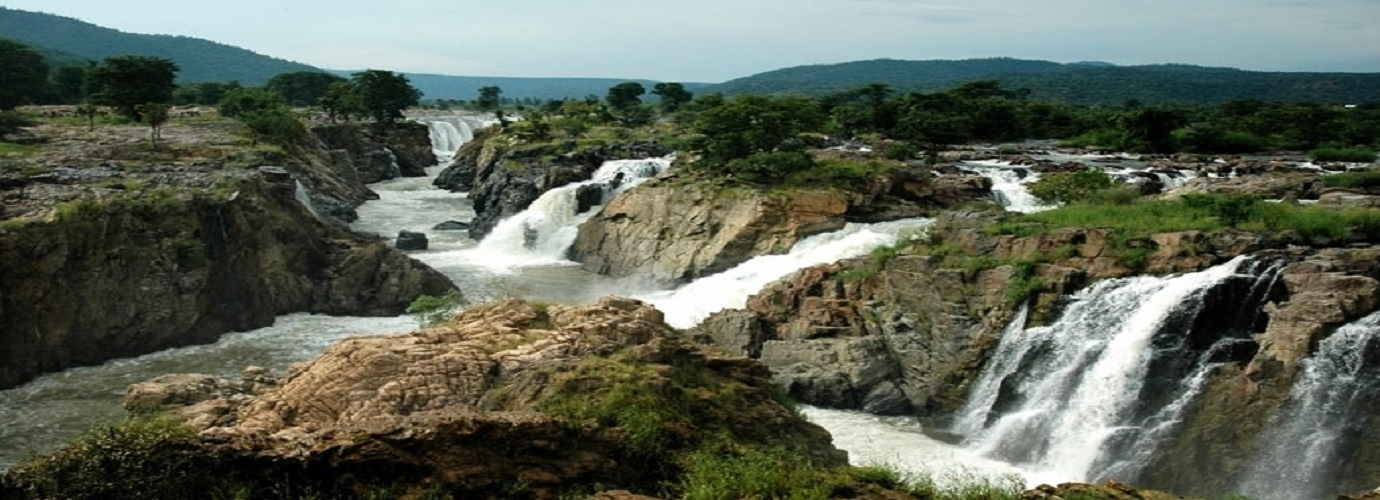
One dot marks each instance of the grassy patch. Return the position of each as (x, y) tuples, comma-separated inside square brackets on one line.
[(1353, 180), (431, 310), (9, 149), (1354, 155)]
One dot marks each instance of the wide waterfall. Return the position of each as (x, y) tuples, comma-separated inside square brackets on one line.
[(1088, 397), (1310, 452)]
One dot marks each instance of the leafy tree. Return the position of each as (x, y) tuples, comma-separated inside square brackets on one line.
[(241, 102), (1151, 129), (751, 124), (154, 115), (342, 100), (23, 75), (126, 82), (673, 95), (89, 111), (302, 88), (266, 114), (69, 84), (625, 95), (489, 98), (384, 94)]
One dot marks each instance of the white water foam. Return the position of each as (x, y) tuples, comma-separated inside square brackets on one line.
[(688, 305)]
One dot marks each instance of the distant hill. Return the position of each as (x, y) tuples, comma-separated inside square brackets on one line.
[(467, 87), (1077, 83), (53, 57), (200, 60)]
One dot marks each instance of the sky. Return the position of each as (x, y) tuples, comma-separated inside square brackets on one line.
[(718, 40)]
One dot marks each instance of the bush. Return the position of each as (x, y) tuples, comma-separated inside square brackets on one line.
[(104, 462), (770, 168), (431, 310), (1069, 187), (1354, 155)]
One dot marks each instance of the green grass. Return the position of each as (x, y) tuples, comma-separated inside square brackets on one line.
[(1353, 180), (1356, 154), (10, 149)]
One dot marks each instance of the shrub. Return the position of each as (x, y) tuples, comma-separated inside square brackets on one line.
[(770, 167), (431, 310), (1356, 154), (101, 464), (1069, 187)]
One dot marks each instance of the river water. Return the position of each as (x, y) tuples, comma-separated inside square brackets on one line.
[(57, 407)]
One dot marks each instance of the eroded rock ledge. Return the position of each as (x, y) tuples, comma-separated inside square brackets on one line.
[(675, 228), (557, 399)]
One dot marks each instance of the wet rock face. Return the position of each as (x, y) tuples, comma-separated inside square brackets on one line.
[(127, 278), (410, 241), (381, 151), (675, 229), (500, 394)]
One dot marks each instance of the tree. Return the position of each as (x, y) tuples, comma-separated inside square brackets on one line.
[(625, 95), (751, 124), (673, 96), (89, 111), (266, 114), (1151, 129), (302, 88), (126, 82), (489, 98), (241, 102), (69, 84), (154, 115), (384, 94), (23, 75), (203, 93), (341, 99)]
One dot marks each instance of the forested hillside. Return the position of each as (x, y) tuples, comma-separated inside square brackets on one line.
[(200, 60), (1077, 83)]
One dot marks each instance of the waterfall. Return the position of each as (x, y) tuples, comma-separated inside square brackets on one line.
[(1009, 184), (543, 232), (448, 133), (688, 305), (300, 193), (1304, 455), (1091, 395)]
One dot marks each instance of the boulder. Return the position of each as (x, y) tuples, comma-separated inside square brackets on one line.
[(410, 241), (451, 225)]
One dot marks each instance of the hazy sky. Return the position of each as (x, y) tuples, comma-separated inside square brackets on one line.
[(716, 40)]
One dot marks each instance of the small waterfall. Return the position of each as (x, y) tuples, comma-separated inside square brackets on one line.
[(1009, 184), (543, 232), (448, 133), (688, 305), (1305, 454), (300, 193), (1089, 396)]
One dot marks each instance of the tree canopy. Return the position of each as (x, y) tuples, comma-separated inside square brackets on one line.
[(673, 95), (23, 75), (384, 94), (625, 95), (302, 88), (488, 98), (125, 82)]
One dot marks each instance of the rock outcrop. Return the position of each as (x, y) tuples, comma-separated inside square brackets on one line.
[(381, 151), (673, 229), (115, 274), (909, 335), (550, 399), (504, 179)]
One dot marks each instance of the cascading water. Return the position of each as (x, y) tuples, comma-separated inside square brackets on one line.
[(1305, 454), (300, 193), (1089, 396), (448, 133), (688, 305), (1009, 184), (543, 232)]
